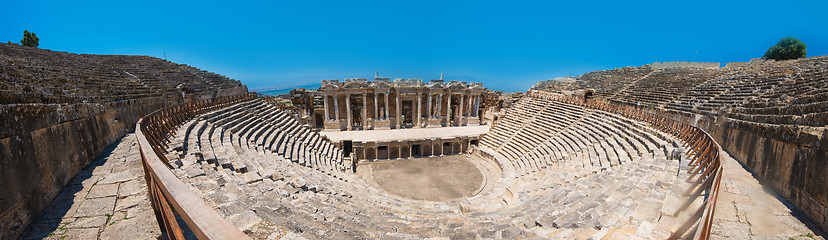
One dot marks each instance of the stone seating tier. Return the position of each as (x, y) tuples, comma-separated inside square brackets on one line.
[(784, 92), (772, 92), (31, 75), (602, 139), (608, 82), (663, 86), (589, 181)]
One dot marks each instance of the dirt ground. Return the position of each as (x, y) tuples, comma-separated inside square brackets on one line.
[(434, 179)]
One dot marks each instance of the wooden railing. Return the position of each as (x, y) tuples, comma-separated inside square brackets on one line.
[(705, 174), (169, 196)]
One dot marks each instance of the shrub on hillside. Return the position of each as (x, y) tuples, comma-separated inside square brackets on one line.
[(29, 39)]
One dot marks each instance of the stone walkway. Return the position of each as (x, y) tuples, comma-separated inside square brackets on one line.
[(747, 210), (107, 200)]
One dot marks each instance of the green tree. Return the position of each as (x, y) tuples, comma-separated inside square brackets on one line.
[(29, 39), (787, 48)]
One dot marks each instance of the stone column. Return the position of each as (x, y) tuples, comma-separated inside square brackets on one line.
[(443, 147), (364, 111), (348, 110), (448, 111), (477, 105), (472, 105), (471, 99), (418, 105), (431, 145), (428, 107), (336, 107), (460, 106), (386, 106), (399, 111), (440, 105), (376, 107), (325, 103)]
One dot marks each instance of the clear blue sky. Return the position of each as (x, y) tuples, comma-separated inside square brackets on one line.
[(507, 45)]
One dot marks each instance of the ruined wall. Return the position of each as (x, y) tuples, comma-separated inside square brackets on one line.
[(43, 146), (737, 64), (682, 64), (226, 92)]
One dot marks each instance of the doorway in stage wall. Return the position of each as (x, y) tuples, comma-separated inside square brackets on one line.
[(356, 113), (407, 114), (416, 151), (453, 109), (347, 147), (320, 122), (382, 152)]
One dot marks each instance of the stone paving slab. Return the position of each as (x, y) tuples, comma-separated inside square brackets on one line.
[(106, 200), (748, 210)]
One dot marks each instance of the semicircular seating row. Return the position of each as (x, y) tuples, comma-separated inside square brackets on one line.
[(539, 131), (261, 127), (238, 160)]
